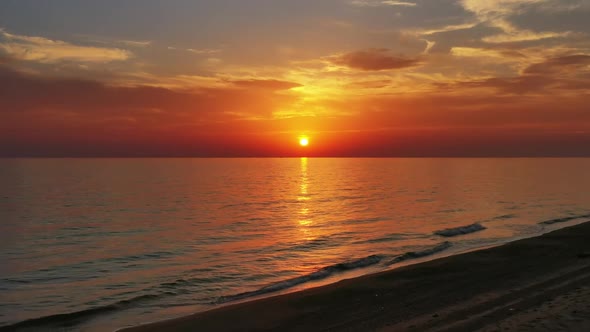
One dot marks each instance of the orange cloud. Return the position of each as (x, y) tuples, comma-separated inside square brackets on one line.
[(266, 84), (558, 75), (45, 50), (45, 116), (373, 60), (569, 63)]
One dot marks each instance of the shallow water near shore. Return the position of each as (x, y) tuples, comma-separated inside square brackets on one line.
[(98, 244)]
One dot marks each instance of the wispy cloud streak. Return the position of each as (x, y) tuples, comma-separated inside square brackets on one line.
[(44, 50)]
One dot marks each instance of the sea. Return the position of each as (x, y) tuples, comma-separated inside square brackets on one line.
[(101, 244)]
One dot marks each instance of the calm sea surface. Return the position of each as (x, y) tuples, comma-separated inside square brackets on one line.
[(118, 242)]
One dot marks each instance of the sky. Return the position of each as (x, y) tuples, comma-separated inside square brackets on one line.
[(223, 78)]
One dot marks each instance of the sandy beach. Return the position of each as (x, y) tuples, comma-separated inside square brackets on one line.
[(533, 284)]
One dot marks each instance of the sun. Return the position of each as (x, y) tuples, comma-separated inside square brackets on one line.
[(303, 141)]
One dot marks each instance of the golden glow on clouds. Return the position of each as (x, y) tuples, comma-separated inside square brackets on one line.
[(500, 56), (524, 35), (376, 3), (376, 68), (50, 51), (496, 12)]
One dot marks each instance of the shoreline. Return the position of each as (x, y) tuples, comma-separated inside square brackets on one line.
[(468, 291)]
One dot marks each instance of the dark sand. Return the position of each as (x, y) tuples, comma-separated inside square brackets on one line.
[(535, 284)]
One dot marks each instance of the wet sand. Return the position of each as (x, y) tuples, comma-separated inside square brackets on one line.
[(535, 284)]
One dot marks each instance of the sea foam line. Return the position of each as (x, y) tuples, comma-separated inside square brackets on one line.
[(419, 254), (317, 275), (564, 219), (449, 232), (333, 269), (70, 319)]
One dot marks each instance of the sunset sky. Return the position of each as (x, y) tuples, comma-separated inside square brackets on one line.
[(251, 77)]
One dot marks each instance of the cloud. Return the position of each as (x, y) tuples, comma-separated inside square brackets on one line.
[(571, 63), (373, 60), (429, 46), (497, 14), (135, 43), (556, 75), (448, 28), (43, 50), (492, 8), (398, 3), (77, 117), (512, 85), (60, 117), (498, 54), (275, 85), (111, 41), (203, 51), (513, 35), (101, 101), (198, 51), (446, 109), (374, 84), (373, 3)]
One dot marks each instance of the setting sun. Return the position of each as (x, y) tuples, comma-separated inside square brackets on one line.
[(303, 141)]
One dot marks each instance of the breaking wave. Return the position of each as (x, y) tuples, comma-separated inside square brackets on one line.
[(564, 219), (317, 275), (65, 320), (423, 253), (449, 232)]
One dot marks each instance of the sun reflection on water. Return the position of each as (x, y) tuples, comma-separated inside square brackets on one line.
[(303, 198)]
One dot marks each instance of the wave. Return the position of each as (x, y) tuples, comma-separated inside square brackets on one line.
[(504, 216), (71, 319), (317, 275), (419, 254), (564, 219), (449, 232), (451, 211)]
